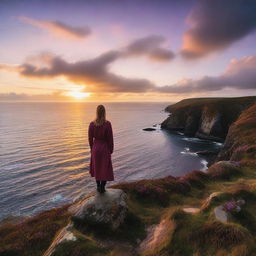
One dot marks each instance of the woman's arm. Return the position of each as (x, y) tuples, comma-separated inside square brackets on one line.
[(110, 138), (90, 135)]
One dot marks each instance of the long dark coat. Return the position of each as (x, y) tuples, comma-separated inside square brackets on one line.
[(102, 146)]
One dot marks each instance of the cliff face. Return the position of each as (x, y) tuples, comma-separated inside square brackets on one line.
[(240, 143), (207, 118)]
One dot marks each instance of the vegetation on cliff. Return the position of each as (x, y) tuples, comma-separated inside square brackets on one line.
[(168, 216), (240, 144)]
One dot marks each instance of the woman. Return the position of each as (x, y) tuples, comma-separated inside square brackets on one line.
[(102, 145)]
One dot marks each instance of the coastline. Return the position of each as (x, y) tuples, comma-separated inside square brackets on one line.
[(189, 199), (49, 167)]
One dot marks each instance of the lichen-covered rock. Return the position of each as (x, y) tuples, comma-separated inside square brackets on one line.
[(221, 214), (109, 208)]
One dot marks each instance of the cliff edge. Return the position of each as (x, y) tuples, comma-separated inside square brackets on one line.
[(206, 118)]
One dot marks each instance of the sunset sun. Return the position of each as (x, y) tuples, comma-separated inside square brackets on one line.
[(79, 95)]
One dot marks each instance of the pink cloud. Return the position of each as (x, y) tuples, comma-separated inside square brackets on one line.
[(59, 28)]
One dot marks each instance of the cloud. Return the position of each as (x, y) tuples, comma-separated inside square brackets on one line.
[(150, 46), (59, 28), (93, 73), (9, 67), (12, 96), (240, 74), (216, 24), (44, 58)]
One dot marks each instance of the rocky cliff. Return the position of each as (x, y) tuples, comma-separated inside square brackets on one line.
[(240, 143), (206, 118)]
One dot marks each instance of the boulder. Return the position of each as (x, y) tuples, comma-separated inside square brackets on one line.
[(221, 214), (109, 208)]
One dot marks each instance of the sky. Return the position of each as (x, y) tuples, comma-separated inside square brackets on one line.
[(126, 50)]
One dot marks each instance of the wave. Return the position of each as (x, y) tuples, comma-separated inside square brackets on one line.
[(187, 151), (57, 198), (204, 163), (192, 139), (218, 143)]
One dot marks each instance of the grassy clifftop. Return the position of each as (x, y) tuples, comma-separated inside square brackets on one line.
[(215, 103), (200, 214)]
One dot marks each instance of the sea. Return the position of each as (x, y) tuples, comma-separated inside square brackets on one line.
[(45, 155)]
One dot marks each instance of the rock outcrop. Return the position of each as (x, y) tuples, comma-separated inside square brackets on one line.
[(206, 118), (109, 208), (221, 214)]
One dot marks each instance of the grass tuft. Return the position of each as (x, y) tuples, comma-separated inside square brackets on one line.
[(223, 170), (220, 235), (196, 178)]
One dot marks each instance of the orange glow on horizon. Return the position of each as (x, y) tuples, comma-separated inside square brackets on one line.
[(79, 95)]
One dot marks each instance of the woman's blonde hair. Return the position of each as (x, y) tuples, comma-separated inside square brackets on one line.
[(100, 115)]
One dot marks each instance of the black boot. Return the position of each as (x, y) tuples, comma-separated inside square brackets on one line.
[(98, 185), (102, 187)]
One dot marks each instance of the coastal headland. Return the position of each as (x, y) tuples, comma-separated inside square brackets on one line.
[(203, 213)]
